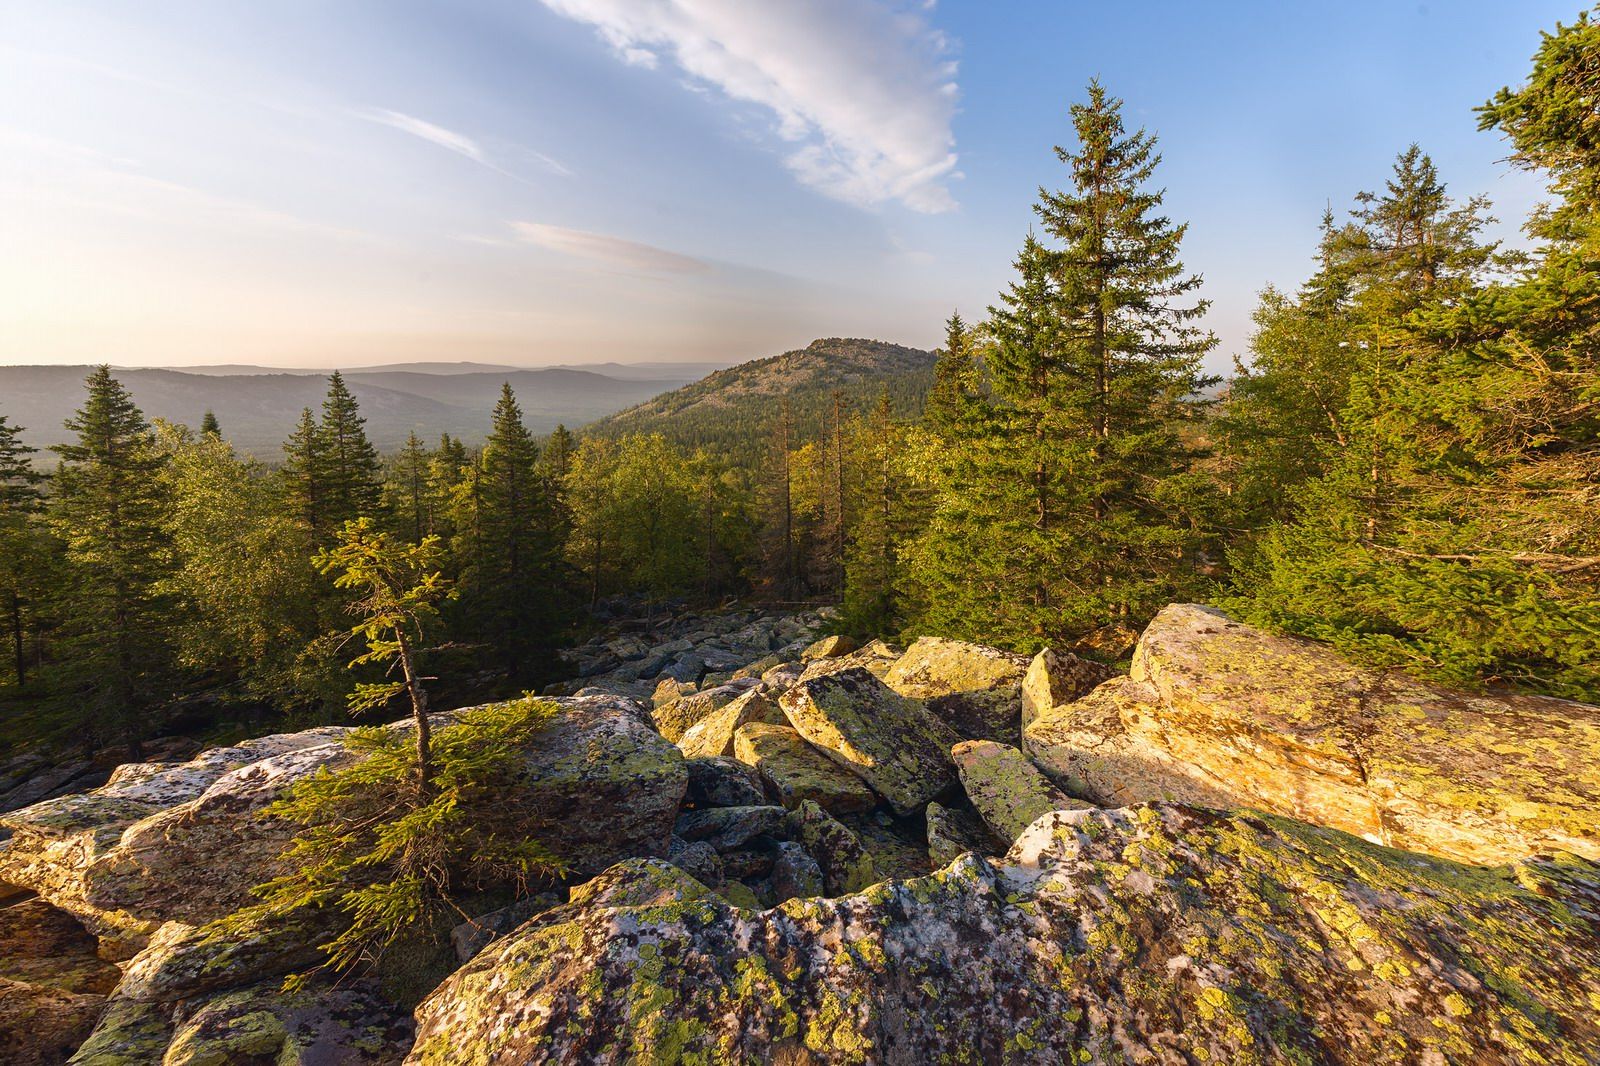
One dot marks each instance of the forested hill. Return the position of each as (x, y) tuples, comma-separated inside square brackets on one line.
[(258, 408), (731, 412)]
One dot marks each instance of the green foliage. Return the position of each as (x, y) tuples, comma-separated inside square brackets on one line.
[(1063, 501), (109, 512), (392, 864), (399, 589), (1454, 526)]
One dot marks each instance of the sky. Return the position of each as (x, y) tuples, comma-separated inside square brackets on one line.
[(305, 183)]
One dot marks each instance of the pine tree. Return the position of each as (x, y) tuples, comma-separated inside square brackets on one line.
[(872, 604), (210, 426), (109, 510), (780, 560), (1072, 476), (351, 481), (557, 456), (954, 378)]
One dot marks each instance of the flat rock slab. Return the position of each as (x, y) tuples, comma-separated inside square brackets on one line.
[(1222, 713), (797, 772), (1158, 934), (1008, 792), (675, 716), (713, 734), (729, 828), (889, 741)]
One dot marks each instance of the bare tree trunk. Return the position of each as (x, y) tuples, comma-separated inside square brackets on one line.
[(419, 714)]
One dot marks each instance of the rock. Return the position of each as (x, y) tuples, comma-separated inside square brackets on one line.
[(598, 783), (686, 667), (953, 833), (876, 658), (1229, 715), (1056, 677), (472, 936), (713, 734), (351, 1026), (898, 847), (1007, 790), (976, 689), (52, 984), (783, 676), (1156, 934), (56, 846), (795, 771), (740, 895), (669, 690), (795, 874), (717, 782), (674, 718), (845, 864), (829, 648), (728, 828), (749, 864), (697, 859), (890, 742), (40, 1025)]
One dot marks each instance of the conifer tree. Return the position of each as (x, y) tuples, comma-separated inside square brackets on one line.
[(780, 560), (23, 551), (303, 471), (1075, 464), (1470, 550), (872, 604), (557, 456), (410, 492), (351, 473), (108, 508), (517, 576), (210, 426)]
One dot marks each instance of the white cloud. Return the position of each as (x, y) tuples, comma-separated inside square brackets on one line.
[(611, 251), (444, 138), (451, 140), (864, 89)]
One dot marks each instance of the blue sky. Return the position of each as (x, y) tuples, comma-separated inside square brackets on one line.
[(306, 183)]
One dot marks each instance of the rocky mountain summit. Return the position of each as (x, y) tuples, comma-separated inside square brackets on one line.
[(787, 847)]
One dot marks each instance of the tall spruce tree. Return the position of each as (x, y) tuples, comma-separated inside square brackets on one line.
[(303, 472), (517, 564), (352, 486), (409, 489), (109, 510), (1074, 485), (23, 549)]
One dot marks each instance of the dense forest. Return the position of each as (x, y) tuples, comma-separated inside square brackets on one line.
[(1406, 465)]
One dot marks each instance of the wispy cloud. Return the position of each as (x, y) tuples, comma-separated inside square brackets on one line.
[(865, 89), (608, 250), (450, 140)]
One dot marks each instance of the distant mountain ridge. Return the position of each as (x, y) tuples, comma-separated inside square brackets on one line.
[(257, 411), (732, 411)]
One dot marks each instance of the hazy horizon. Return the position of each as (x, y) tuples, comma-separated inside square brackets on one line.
[(570, 182)]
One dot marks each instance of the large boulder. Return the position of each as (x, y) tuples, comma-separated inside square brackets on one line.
[(598, 784), (1220, 713), (59, 846), (976, 689), (889, 741), (1156, 934), (1008, 792), (1055, 677), (796, 772), (845, 863)]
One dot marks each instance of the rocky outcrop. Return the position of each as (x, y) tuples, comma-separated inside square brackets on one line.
[(719, 782), (796, 772), (845, 863), (1008, 792), (952, 832), (1154, 934), (976, 689), (892, 743), (600, 784), (1220, 713)]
